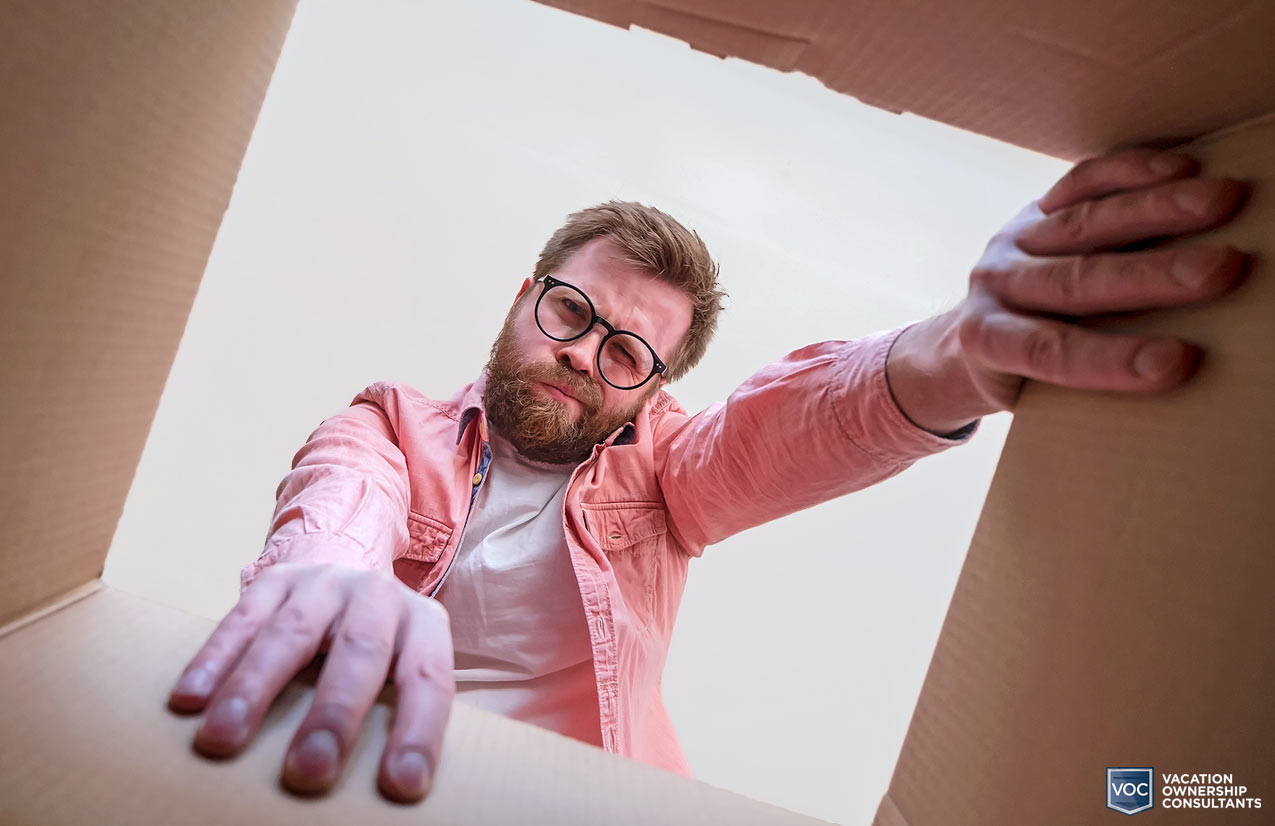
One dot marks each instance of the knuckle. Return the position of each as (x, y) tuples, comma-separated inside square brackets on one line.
[(1065, 279), (294, 622), (1043, 349), (365, 642), (427, 674), (243, 619), (1074, 222)]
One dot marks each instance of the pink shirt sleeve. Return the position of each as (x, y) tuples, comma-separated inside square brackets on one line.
[(815, 425), (344, 501)]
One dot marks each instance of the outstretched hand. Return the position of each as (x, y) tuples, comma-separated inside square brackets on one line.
[(373, 627), (1075, 252)]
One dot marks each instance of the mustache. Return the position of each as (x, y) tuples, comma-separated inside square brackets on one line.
[(580, 386)]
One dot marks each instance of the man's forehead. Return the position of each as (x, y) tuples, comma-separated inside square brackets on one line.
[(626, 295)]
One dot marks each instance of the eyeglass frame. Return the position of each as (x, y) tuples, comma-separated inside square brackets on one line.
[(657, 368)]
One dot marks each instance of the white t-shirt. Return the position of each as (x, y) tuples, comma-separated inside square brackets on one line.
[(518, 625)]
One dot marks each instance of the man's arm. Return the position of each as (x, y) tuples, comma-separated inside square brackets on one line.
[(345, 501), (839, 416), (815, 425), (1061, 256), (324, 583)]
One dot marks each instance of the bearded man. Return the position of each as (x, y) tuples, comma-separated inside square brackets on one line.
[(523, 546)]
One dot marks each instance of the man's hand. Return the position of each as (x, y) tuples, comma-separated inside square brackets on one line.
[(1062, 256), (368, 621)]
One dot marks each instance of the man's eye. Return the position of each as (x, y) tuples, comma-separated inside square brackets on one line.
[(573, 307)]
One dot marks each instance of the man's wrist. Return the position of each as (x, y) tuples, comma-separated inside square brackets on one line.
[(929, 379)]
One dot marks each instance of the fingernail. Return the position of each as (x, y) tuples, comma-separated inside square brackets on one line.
[(228, 720), (408, 772), (1192, 267), (197, 682), (1155, 358), (315, 759), (1193, 199)]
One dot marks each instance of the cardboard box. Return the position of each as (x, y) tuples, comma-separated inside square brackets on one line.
[(1114, 607), (122, 129)]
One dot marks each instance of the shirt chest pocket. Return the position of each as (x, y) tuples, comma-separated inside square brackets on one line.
[(634, 537), (427, 538)]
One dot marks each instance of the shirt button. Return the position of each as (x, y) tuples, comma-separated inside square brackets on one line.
[(478, 478)]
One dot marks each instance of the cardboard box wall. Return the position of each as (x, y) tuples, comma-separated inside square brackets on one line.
[(122, 127), (1117, 596), (1117, 601)]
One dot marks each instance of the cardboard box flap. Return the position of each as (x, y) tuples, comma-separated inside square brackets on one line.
[(1068, 79), (122, 127), (1117, 602), (88, 741)]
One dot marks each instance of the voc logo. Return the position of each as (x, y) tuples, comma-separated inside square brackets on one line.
[(1130, 791)]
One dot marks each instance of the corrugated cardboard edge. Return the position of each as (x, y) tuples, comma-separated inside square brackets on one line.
[(59, 602), (1067, 79)]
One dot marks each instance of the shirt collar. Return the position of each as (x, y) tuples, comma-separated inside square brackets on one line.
[(471, 404)]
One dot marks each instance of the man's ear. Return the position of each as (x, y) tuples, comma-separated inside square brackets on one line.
[(526, 285)]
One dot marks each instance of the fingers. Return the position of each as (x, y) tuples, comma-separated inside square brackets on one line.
[(357, 664), (1170, 209), (286, 642), (1077, 285), (1071, 356), (227, 643), (1118, 172), (426, 684)]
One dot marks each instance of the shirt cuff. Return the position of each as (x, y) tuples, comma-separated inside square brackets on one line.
[(868, 411)]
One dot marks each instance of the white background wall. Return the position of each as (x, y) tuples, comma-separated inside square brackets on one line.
[(410, 161)]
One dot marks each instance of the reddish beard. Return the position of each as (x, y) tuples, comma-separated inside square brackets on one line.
[(541, 428)]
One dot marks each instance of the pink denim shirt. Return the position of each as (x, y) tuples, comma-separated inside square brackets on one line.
[(389, 483)]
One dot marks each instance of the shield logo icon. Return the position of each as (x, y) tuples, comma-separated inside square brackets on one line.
[(1130, 790)]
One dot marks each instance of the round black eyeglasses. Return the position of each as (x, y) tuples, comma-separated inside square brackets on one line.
[(564, 313)]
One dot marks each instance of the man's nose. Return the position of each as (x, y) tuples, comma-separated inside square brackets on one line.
[(579, 353)]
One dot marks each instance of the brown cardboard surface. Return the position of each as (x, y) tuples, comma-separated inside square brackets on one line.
[(1114, 605), (1070, 79), (1117, 602), (122, 127), (88, 741)]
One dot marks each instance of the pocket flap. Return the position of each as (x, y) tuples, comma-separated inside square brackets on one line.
[(620, 526), (427, 537)]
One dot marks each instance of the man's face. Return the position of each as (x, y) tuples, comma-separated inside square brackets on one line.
[(546, 396)]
